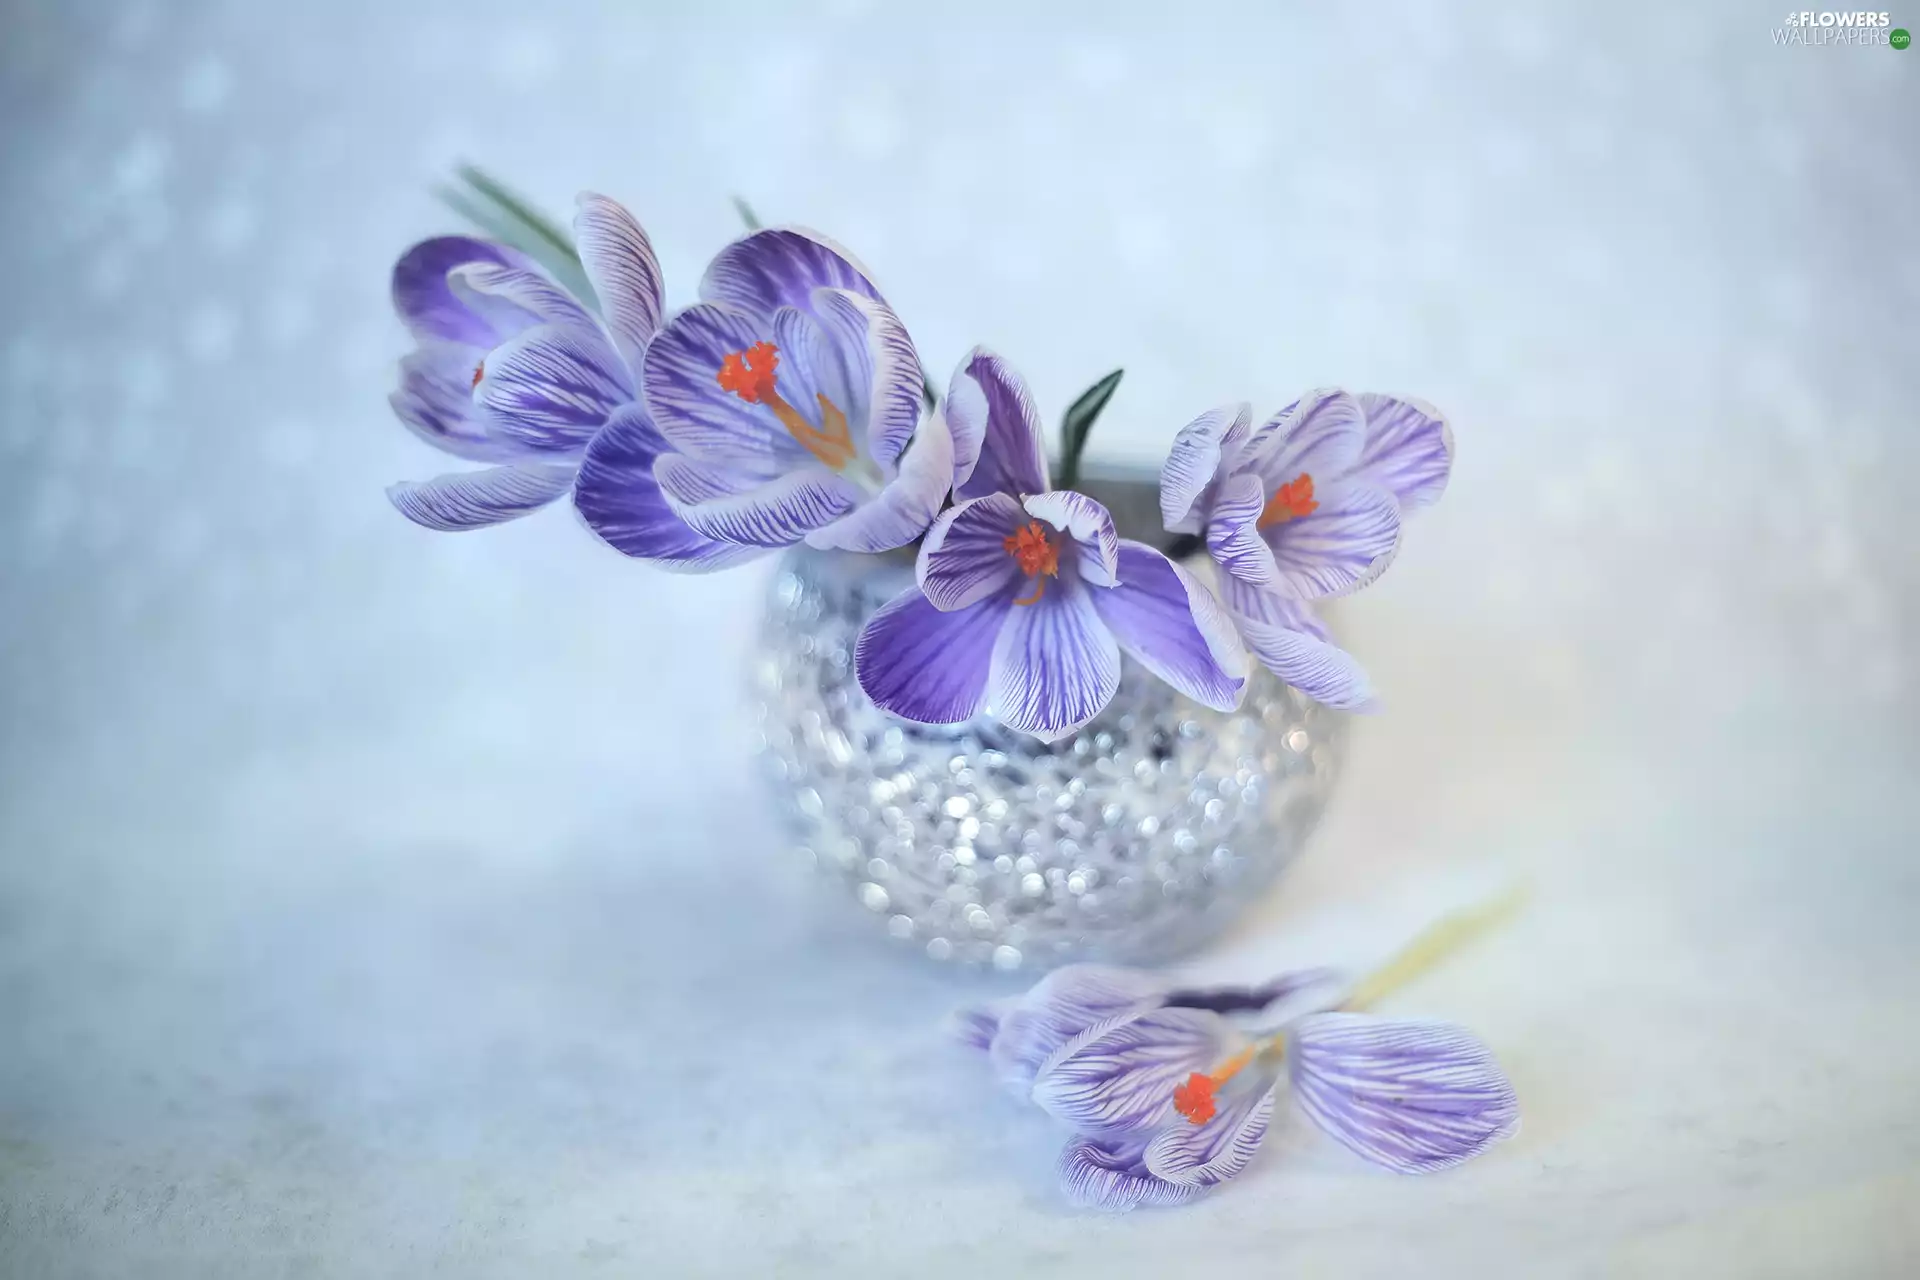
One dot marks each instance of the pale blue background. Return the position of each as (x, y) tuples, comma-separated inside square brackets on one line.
[(374, 903)]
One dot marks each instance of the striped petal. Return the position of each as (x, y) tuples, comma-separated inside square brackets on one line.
[(776, 513), (1055, 665), (1412, 1096), (1319, 435), (1206, 1155), (1096, 544), (476, 499), (620, 500), (551, 388), (426, 303), (695, 414), (926, 665), (435, 402), (504, 292), (625, 275), (1233, 532), (1347, 542), (890, 396), (1171, 624), (1110, 1173), (997, 442), (1059, 1007), (1119, 1075), (905, 505), (1197, 460), (964, 558), (1408, 450), (1318, 668), (781, 267)]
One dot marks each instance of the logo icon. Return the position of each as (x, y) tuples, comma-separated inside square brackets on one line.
[(1899, 38)]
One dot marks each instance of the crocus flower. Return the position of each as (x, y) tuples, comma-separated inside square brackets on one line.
[(1026, 595), (1020, 1035), (785, 402), (1170, 1092), (512, 370), (1308, 506)]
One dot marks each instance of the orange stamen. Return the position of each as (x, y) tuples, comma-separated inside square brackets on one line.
[(1292, 500), (749, 374), (479, 372), (1039, 559), (1196, 1099)]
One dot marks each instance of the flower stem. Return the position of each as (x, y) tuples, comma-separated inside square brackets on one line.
[(1441, 940)]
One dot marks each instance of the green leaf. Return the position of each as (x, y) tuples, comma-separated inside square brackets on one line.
[(1078, 424), (499, 213)]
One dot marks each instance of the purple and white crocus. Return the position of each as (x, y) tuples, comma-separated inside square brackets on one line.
[(1308, 506), (783, 407), (1169, 1094), (1026, 595), (511, 370)]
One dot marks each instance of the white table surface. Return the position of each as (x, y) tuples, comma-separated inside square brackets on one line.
[(379, 904)]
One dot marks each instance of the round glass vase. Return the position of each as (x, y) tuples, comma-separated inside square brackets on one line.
[(1131, 841)]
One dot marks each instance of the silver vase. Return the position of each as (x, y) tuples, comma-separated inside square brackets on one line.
[(1135, 839)]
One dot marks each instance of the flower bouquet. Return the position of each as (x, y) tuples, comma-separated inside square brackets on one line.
[(947, 704)]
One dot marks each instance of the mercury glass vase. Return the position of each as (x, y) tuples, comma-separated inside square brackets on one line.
[(1133, 840)]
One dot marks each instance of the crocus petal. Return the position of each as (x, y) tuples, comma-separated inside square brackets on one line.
[(1059, 1007), (1252, 999), (1408, 450), (926, 665), (1110, 1173), (906, 505), (1347, 542), (435, 401), (1208, 1154), (1096, 545), (1287, 638), (551, 388), (777, 513), (892, 396), (504, 292), (964, 558), (1233, 533), (781, 267), (695, 414), (425, 301), (976, 1026), (1055, 665), (1196, 461), (1413, 1096), (625, 275), (1319, 435), (997, 442), (1318, 668), (476, 499), (1119, 1075), (1172, 625), (620, 500)]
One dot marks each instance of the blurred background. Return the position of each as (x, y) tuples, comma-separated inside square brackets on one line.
[(376, 902)]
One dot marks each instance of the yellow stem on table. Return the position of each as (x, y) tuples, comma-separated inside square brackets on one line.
[(1441, 940)]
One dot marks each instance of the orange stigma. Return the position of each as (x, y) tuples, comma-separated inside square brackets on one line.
[(479, 372), (1196, 1099), (1292, 500), (749, 374), (1038, 558)]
